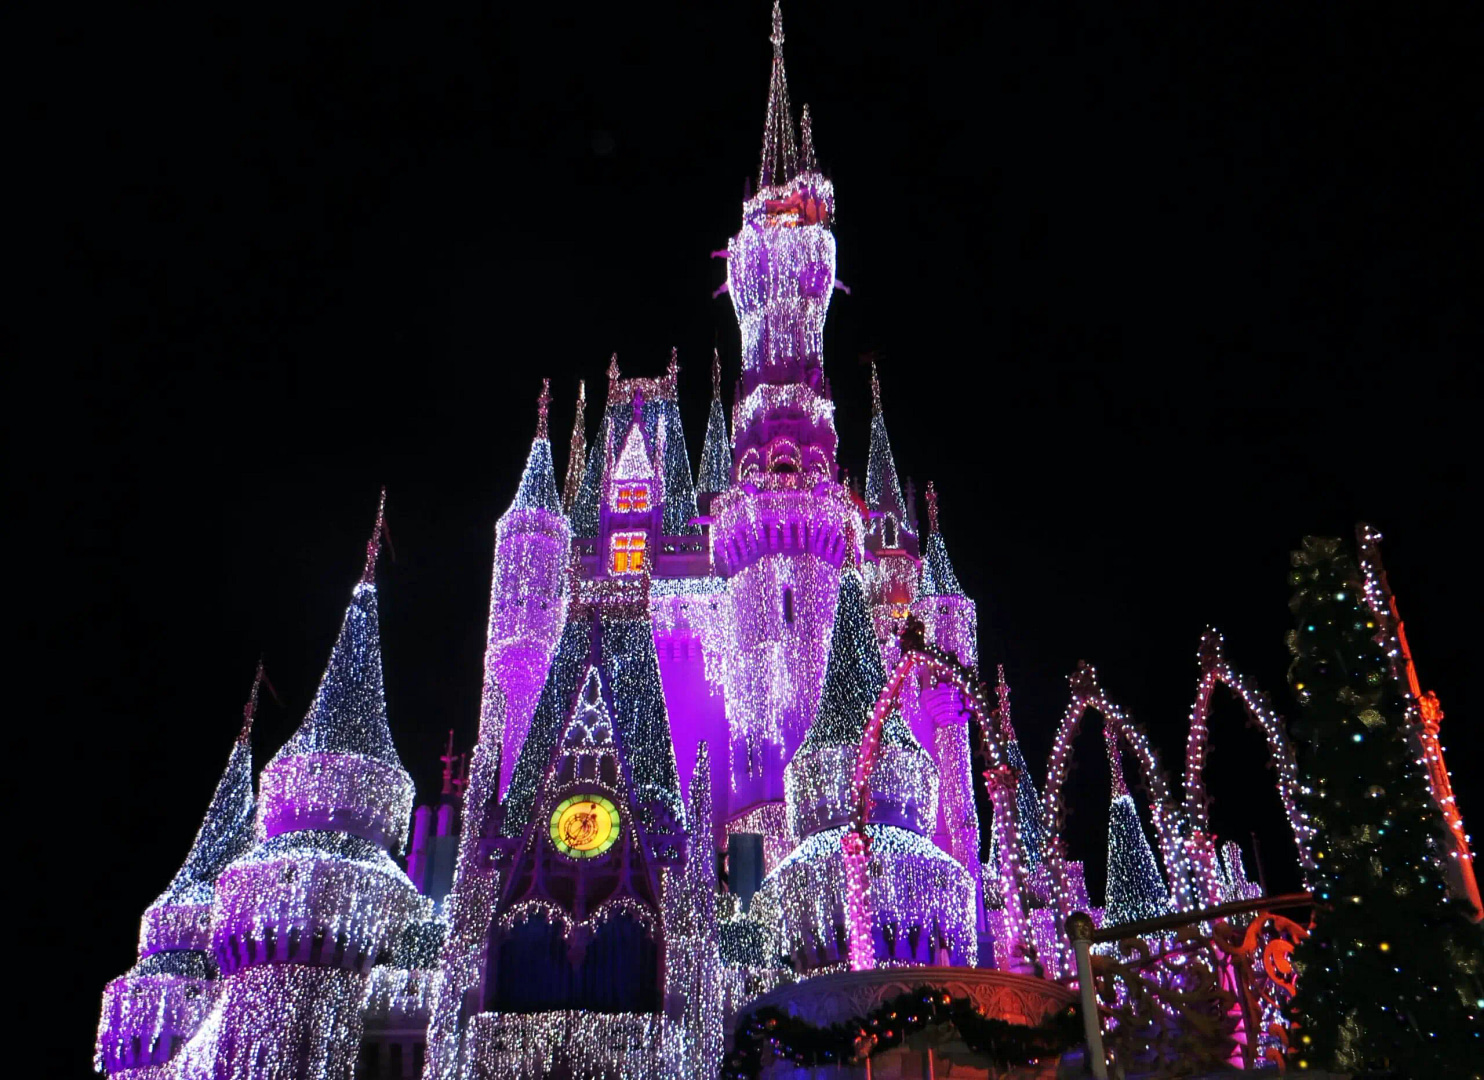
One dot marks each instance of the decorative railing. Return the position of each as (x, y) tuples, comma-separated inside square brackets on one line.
[(1190, 992)]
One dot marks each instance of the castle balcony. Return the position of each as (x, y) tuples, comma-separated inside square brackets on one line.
[(748, 524)]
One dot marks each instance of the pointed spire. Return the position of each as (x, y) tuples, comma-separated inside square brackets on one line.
[(538, 486), (937, 577), (348, 715), (672, 369), (612, 375), (883, 489), (807, 162), (577, 451), (449, 758), (251, 708), (1027, 799), (1135, 889), (1115, 760), (716, 452), (226, 829), (854, 677), (373, 546), (780, 161), (543, 407)]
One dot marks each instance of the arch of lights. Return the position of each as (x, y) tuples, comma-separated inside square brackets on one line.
[(941, 668), (1200, 845), (1087, 695)]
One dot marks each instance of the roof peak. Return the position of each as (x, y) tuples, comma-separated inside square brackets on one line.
[(780, 158), (373, 546)]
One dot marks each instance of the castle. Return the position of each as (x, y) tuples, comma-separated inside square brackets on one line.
[(681, 667)]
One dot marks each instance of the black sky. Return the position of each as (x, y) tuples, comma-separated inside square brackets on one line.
[(1156, 291)]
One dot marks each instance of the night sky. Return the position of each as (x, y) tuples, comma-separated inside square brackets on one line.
[(1155, 292)]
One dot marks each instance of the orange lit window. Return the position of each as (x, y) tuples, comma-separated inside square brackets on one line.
[(628, 553), (632, 499)]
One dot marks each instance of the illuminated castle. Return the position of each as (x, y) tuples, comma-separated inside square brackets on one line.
[(663, 816)]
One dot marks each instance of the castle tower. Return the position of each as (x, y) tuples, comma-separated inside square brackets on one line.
[(154, 1010), (298, 921), (576, 450), (528, 591), (923, 899), (785, 527)]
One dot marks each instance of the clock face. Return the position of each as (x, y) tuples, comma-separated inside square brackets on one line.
[(585, 826)]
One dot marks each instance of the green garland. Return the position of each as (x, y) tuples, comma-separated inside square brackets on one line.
[(771, 1030)]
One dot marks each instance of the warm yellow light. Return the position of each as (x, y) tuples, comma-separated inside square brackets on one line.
[(1385, 946)]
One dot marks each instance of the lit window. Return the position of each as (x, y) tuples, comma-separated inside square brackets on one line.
[(632, 499), (628, 553)]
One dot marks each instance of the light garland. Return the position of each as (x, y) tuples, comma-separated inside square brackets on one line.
[(1214, 669), (1087, 695), (716, 451), (922, 911), (584, 1045)]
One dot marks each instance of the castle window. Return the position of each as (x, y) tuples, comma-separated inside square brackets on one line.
[(628, 552), (631, 499), (788, 605)]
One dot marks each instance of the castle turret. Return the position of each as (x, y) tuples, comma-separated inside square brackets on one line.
[(716, 452), (528, 590), (298, 922), (923, 898), (889, 530), (151, 1012)]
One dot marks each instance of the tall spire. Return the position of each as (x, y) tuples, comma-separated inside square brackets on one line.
[(538, 486), (716, 452), (807, 162), (226, 829), (543, 407), (938, 578), (373, 546), (1027, 800), (883, 489), (577, 451), (348, 715), (780, 159)]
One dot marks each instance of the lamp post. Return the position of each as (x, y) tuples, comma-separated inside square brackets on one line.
[(1079, 928)]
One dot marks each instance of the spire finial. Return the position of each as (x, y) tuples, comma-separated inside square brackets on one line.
[(543, 407), (251, 708), (715, 374), (1002, 710), (612, 374), (807, 162), (672, 369), (875, 390), (373, 546), (1115, 759), (577, 451), (448, 758), (932, 503), (780, 159)]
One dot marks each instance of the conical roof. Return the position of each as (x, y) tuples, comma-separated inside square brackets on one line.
[(883, 489), (348, 715), (937, 577), (716, 452), (225, 833), (1027, 800), (780, 158), (538, 486), (1135, 888), (853, 679), (680, 491)]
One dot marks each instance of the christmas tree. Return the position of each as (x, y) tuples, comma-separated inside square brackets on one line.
[(1390, 977)]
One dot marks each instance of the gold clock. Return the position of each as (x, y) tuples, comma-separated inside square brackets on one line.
[(585, 826)]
